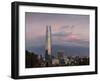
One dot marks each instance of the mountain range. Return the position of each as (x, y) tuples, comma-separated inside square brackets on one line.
[(68, 50)]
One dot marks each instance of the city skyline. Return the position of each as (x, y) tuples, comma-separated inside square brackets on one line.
[(67, 30)]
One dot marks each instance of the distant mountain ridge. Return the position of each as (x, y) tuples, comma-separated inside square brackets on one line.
[(68, 50)]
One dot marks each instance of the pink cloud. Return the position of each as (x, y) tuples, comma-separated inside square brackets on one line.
[(73, 37)]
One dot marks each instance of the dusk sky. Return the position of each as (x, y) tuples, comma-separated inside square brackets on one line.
[(67, 29)]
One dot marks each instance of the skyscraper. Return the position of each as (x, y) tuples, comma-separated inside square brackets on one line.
[(48, 50)]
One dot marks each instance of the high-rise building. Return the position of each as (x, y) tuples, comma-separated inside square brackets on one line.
[(60, 55), (48, 48)]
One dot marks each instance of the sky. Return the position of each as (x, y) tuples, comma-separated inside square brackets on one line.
[(67, 30)]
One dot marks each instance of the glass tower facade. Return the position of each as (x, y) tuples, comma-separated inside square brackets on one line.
[(48, 48)]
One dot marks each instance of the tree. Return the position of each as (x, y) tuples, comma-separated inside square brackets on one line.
[(32, 60)]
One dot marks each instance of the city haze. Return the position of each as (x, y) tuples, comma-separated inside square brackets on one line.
[(70, 33)]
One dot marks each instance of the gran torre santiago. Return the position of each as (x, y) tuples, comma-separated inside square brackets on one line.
[(48, 48)]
